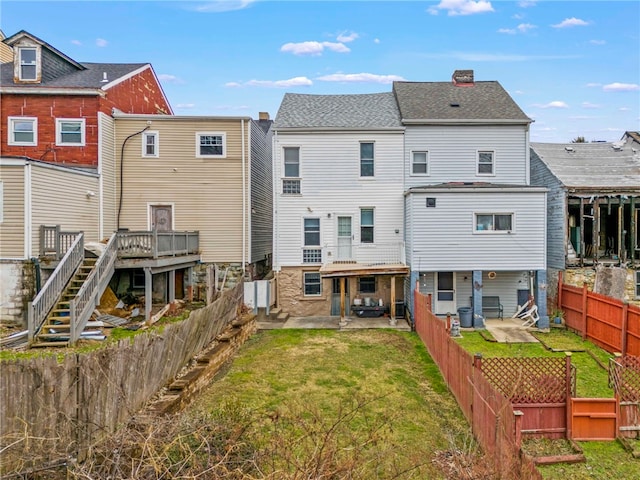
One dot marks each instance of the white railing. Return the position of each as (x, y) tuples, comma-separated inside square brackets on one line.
[(55, 243), (156, 244), (365, 254), (44, 301), (86, 299)]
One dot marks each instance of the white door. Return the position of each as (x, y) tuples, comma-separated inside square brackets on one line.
[(345, 237), (445, 293)]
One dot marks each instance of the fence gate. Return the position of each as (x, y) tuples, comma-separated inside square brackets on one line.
[(624, 378)]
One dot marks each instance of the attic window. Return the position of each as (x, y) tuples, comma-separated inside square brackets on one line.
[(28, 67)]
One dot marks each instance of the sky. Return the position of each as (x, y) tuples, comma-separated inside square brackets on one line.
[(572, 66)]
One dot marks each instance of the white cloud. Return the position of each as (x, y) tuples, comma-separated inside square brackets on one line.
[(621, 87), (624, 109), (376, 40), (186, 106), (165, 77), (554, 104), (76, 42), (590, 105), (101, 42), (526, 3), (223, 6), (519, 92), (313, 48), (518, 16), (597, 42), (510, 31), (346, 38), (462, 7), (292, 82), (522, 28), (571, 22), (360, 78), (591, 85)]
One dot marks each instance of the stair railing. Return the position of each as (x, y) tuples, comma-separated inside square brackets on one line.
[(83, 304), (44, 301)]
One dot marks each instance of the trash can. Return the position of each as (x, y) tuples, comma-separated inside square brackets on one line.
[(399, 309), (466, 318)]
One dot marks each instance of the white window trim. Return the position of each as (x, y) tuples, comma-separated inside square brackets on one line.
[(146, 134), (494, 232), (224, 144), (304, 283), (360, 225), (367, 177), (493, 163), (10, 130), (59, 142), (284, 175), (18, 64), (411, 173)]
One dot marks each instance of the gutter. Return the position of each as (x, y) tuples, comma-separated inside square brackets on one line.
[(53, 91)]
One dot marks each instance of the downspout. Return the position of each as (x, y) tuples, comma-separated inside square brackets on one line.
[(527, 156), (28, 227), (244, 200), (274, 213), (121, 172)]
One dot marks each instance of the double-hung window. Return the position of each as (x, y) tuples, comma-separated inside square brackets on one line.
[(420, 163), (70, 132), (150, 147), (291, 180), (367, 284), (22, 131), (28, 63), (486, 162), (366, 159), (312, 284), (312, 253), (211, 145), (494, 222), (366, 225)]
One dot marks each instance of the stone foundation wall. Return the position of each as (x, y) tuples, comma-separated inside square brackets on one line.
[(234, 276), (624, 290), (17, 287), (292, 300)]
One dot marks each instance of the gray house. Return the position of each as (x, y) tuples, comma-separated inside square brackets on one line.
[(474, 226)]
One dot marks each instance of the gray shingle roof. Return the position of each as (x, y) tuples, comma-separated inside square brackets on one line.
[(591, 165), (89, 78), (445, 101), (375, 110)]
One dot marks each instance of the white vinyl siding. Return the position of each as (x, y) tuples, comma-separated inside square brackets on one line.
[(453, 153), (261, 207), (107, 165), (443, 238), (22, 131), (70, 132), (12, 226)]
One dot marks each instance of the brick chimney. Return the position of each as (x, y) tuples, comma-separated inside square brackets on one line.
[(263, 116), (462, 78)]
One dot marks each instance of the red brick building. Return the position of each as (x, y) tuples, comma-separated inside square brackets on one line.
[(49, 102)]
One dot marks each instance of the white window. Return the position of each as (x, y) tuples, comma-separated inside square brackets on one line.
[(291, 180), (28, 65), (486, 162), (366, 225), (150, 147), (23, 131), (211, 145), (494, 222), (420, 163), (70, 132), (366, 159), (312, 284), (312, 253)]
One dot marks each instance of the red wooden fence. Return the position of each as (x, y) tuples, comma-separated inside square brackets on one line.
[(608, 322)]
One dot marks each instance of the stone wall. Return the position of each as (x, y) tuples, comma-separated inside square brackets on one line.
[(292, 300), (612, 281), (17, 281)]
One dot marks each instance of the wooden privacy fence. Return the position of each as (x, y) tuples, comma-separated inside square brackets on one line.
[(490, 413), (624, 377), (608, 322), (55, 408)]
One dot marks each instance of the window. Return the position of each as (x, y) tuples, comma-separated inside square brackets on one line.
[(637, 273), (366, 225), (367, 284), (28, 66), (210, 145), (366, 159), (137, 279), (150, 144), (70, 131), (312, 284), (488, 222), (23, 131), (312, 239), (485, 163), (291, 181), (420, 163)]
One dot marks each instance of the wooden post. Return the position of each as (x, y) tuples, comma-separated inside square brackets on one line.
[(392, 310), (518, 427), (342, 296), (477, 361), (584, 311), (618, 360), (568, 399), (582, 252), (415, 300), (148, 292), (633, 214), (429, 304), (620, 224), (596, 229), (448, 322), (625, 326)]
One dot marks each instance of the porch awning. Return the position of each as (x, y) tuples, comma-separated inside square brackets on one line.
[(361, 269)]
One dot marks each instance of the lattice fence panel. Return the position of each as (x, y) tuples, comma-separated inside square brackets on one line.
[(529, 380), (624, 377)]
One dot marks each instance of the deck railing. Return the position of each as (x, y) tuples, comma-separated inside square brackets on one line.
[(366, 254), (54, 242), (154, 244), (47, 297), (85, 301)]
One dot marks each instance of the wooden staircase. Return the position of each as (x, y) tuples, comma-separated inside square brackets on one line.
[(55, 331)]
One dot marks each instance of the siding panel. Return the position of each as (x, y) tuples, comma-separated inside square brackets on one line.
[(12, 225), (107, 163)]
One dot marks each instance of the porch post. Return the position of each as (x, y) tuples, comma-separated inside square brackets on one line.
[(476, 292), (342, 297), (541, 299), (148, 289), (172, 286), (392, 310)]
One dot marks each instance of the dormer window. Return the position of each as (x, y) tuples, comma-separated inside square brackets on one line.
[(28, 70)]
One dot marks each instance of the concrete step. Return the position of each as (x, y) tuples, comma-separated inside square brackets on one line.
[(282, 316)]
